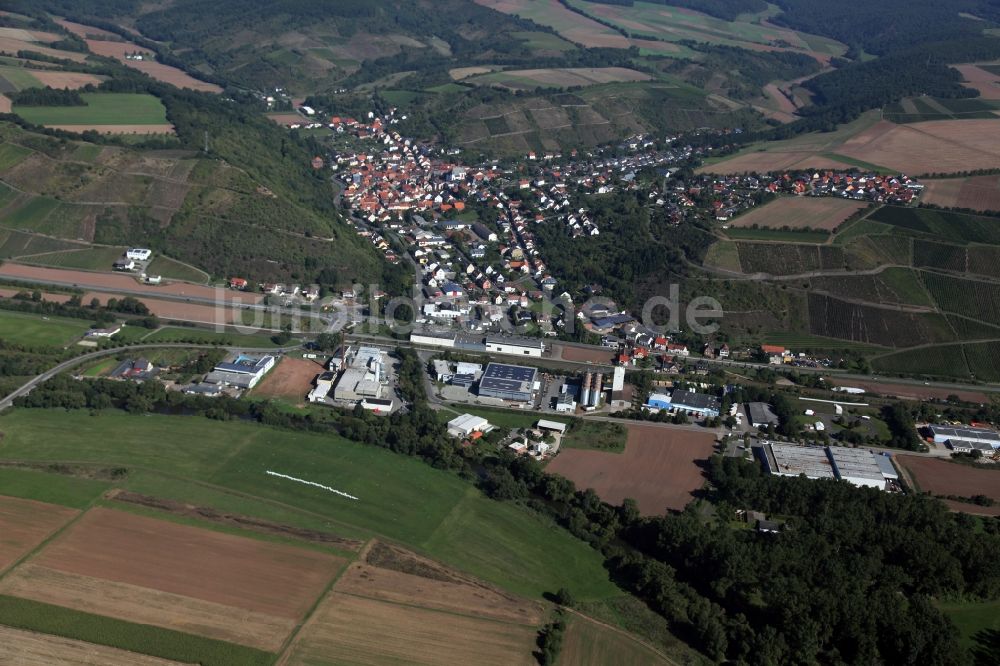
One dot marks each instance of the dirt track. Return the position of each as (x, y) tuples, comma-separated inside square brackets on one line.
[(658, 468)]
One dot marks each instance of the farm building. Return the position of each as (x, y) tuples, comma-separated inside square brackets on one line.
[(508, 382), (963, 439), (466, 424), (242, 372), (517, 346), (859, 467)]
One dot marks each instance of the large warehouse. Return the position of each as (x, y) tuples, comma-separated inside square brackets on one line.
[(364, 376), (962, 438), (859, 467), (508, 382)]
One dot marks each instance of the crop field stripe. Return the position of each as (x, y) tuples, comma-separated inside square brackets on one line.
[(290, 641), (141, 638), (68, 491)]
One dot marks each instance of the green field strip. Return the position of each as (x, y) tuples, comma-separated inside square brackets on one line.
[(101, 109), (52, 488), (142, 638)]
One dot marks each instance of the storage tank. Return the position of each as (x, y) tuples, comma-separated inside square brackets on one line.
[(595, 395), (585, 390)]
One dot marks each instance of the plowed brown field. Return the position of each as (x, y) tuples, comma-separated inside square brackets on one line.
[(801, 213), (292, 379), (941, 477), (219, 568), (658, 468), (25, 523)]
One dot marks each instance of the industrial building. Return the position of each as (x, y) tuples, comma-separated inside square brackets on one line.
[(964, 439), (859, 467), (242, 372), (466, 424), (499, 344), (701, 404), (324, 383), (658, 401), (363, 377), (761, 415), (508, 382)]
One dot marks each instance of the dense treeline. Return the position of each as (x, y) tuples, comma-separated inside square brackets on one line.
[(890, 26), (46, 97)]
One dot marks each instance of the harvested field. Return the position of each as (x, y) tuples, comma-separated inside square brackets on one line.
[(165, 128), (6, 106), (368, 631), (73, 80), (86, 31), (286, 118), (459, 73), (824, 213), (11, 45), (470, 598), (86, 279), (26, 523), (987, 83), (591, 643), (187, 561), (235, 520), (976, 192), (574, 27), (935, 146), (291, 378), (156, 70), (26, 648), (941, 477), (582, 355), (658, 468), (764, 161), (524, 79), (780, 100), (141, 604)]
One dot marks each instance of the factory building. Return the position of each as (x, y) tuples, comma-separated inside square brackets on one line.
[(508, 382), (964, 439), (242, 372), (859, 467), (363, 377)]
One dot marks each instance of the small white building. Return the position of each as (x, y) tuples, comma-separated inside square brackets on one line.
[(138, 254)]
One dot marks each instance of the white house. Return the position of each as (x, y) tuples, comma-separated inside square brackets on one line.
[(138, 254)]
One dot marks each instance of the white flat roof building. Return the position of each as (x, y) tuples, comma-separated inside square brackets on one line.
[(859, 467), (466, 424)]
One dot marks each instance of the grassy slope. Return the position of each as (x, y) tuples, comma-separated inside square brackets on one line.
[(400, 498), (68, 491), (101, 109)]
